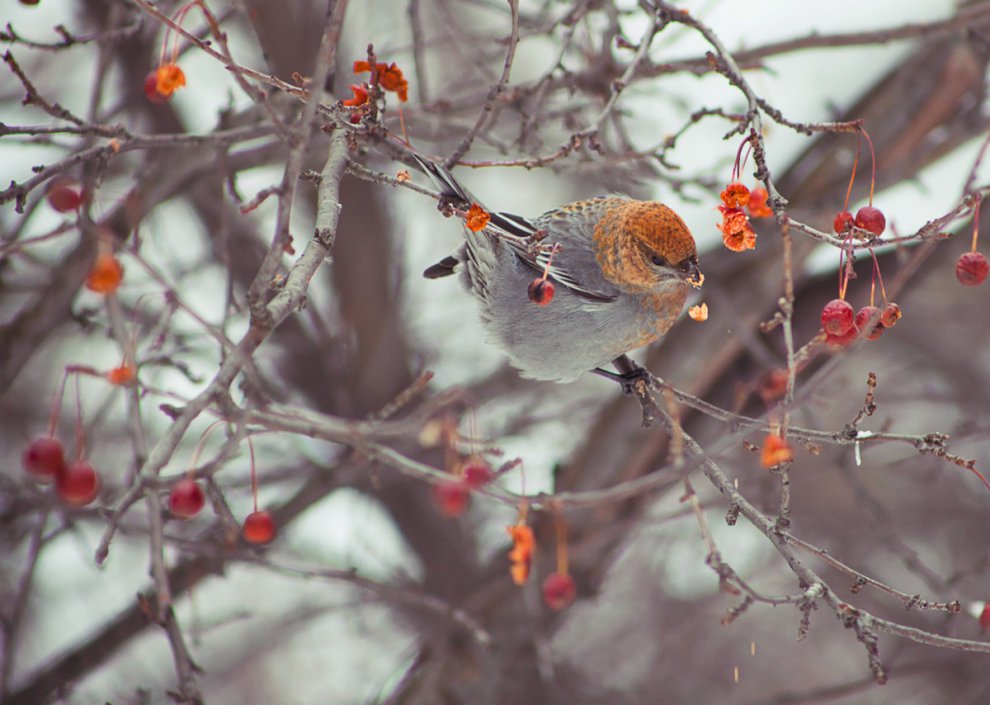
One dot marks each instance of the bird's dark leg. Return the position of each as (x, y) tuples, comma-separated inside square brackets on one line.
[(629, 373)]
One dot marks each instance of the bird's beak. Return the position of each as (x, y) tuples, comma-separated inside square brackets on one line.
[(691, 273)]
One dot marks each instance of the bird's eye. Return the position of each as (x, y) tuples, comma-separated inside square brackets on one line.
[(658, 260)]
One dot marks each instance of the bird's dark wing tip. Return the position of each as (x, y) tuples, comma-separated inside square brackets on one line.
[(443, 268)]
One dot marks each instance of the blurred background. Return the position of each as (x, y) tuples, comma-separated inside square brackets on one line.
[(371, 593)]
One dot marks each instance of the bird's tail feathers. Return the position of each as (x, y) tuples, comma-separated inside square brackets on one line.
[(445, 182)]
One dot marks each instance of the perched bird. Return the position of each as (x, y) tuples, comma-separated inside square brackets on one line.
[(618, 272)]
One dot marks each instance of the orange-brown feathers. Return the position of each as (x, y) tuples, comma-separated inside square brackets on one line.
[(631, 232)]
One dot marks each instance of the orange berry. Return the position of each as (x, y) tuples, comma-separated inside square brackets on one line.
[(106, 274)]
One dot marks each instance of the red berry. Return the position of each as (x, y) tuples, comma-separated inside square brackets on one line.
[(259, 527), (863, 318), (64, 194), (985, 617), (77, 484), (843, 222), (151, 88), (30, 2), (841, 341), (186, 498), (541, 291), (972, 268), (871, 220), (477, 475), (891, 315), (44, 457), (452, 497), (558, 591), (837, 317)]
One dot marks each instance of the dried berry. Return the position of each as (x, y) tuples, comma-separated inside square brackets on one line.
[(559, 591), (891, 315), (972, 268), (186, 499), (871, 220), (843, 222), (541, 291), (452, 497), (477, 475), (259, 527), (77, 484), (837, 317), (44, 457), (863, 318)]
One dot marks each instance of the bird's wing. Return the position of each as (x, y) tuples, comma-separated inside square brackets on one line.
[(527, 240)]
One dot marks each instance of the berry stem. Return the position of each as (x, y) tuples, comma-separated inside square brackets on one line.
[(57, 406), (873, 161), (852, 176), (254, 475), (878, 275), (80, 433), (191, 473), (976, 225), (561, 528)]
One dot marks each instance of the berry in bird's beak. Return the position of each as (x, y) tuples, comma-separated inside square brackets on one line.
[(691, 273)]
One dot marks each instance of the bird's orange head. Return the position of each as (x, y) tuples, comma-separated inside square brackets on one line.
[(643, 246)]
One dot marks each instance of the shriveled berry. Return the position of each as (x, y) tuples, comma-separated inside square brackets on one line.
[(871, 220), (541, 291), (972, 268), (837, 317), (77, 484), (44, 457), (843, 222), (259, 527), (186, 499), (151, 88), (452, 497), (477, 475), (559, 591), (863, 318), (841, 341), (65, 194), (891, 315)]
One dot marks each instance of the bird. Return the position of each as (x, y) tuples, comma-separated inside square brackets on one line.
[(619, 271)]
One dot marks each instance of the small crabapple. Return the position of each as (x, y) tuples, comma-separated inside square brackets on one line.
[(843, 339), (44, 457), (186, 499), (985, 617), (477, 475), (972, 268), (843, 222), (452, 497), (77, 484), (65, 194), (541, 291), (871, 220), (151, 88), (863, 318), (837, 317), (891, 315), (259, 527), (559, 591)]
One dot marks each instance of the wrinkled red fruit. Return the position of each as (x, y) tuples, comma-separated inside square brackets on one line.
[(541, 291), (186, 499), (151, 88), (64, 194), (44, 457), (259, 527), (837, 317), (77, 484), (843, 222), (891, 315), (841, 341), (871, 220), (477, 475), (863, 317), (972, 268), (452, 497), (558, 591)]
